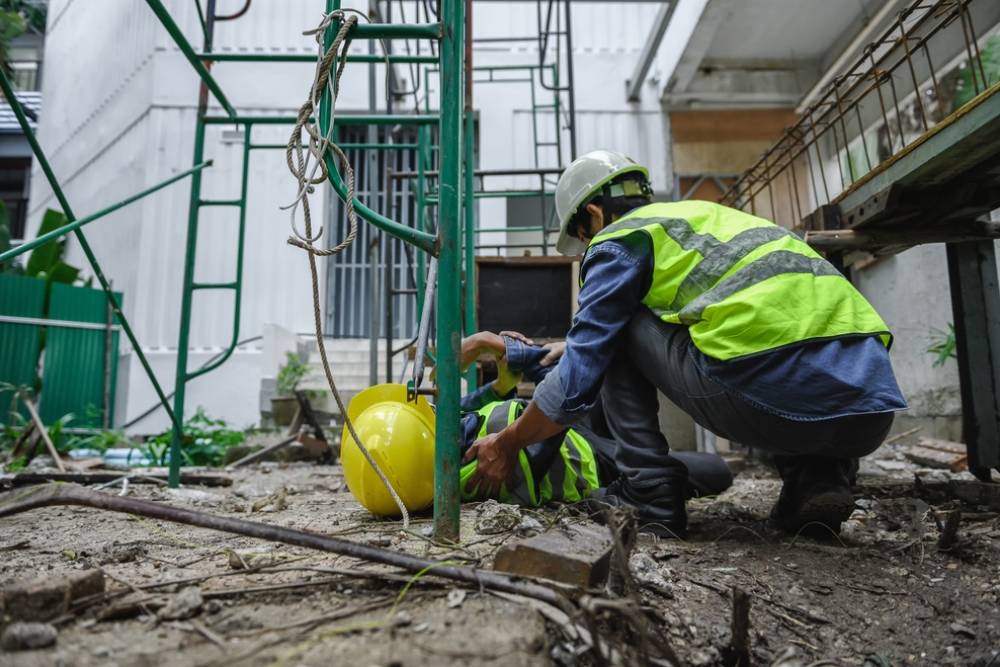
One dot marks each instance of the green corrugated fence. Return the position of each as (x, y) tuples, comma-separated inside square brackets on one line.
[(20, 296), (74, 370), (79, 363)]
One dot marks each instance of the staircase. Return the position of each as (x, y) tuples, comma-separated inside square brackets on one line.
[(349, 362)]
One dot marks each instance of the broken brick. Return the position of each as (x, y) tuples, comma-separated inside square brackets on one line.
[(576, 555), (45, 598)]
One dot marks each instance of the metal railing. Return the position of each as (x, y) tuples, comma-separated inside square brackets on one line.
[(922, 68)]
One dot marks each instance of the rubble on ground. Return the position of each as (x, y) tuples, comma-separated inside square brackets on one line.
[(887, 590)]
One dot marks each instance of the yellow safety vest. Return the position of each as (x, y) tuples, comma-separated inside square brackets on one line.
[(741, 284), (571, 477)]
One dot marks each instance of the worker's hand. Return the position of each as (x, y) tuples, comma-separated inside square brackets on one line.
[(495, 463), (555, 351), (518, 336)]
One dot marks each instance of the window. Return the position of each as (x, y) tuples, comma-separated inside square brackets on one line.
[(14, 179)]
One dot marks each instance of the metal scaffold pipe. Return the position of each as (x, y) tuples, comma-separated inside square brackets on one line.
[(449, 305), (77, 224)]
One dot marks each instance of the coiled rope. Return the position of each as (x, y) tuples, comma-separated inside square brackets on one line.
[(309, 169)]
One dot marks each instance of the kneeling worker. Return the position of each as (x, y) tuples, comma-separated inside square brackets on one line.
[(733, 318), (570, 465)]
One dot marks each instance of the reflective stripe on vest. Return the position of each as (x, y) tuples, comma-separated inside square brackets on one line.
[(742, 284), (571, 477)]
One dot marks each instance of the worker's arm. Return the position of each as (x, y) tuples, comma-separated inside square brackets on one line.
[(487, 342), (616, 278), (497, 453)]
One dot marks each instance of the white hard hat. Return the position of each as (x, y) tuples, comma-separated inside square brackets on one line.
[(583, 179)]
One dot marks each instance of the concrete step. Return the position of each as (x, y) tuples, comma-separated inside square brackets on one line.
[(352, 344)]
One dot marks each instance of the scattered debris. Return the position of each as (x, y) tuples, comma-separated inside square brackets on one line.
[(276, 502), (28, 636), (882, 590), (647, 573), (245, 560), (575, 554), (493, 517), (962, 630), (976, 493), (186, 604), (948, 538), (261, 454), (126, 552)]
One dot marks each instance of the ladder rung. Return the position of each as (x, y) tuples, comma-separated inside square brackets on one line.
[(546, 143), (220, 202), (545, 106), (195, 286)]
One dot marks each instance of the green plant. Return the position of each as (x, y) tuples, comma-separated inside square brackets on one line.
[(204, 442), (100, 441), (291, 373), (943, 345), (16, 18), (16, 465)]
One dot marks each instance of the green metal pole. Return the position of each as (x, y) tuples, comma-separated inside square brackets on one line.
[(311, 58), (187, 293), (185, 46), (343, 119), (447, 499), (77, 224), (50, 176), (471, 377), (397, 31), (423, 138)]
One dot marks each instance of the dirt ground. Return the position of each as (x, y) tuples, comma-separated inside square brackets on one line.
[(881, 594)]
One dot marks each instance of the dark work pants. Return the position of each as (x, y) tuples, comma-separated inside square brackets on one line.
[(655, 355)]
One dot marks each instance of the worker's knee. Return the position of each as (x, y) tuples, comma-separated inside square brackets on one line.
[(863, 434)]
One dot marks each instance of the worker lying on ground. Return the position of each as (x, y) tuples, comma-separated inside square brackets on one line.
[(738, 321), (566, 467)]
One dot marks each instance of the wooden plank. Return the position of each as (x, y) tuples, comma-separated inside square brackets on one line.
[(934, 458), (40, 427), (943, 445)]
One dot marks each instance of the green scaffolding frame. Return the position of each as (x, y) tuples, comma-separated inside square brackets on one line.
[(445, 244)]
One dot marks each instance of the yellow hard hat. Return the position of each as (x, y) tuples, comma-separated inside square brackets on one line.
[(400, 437)]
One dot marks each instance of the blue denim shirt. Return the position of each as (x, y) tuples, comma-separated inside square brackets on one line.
[(830, 378)]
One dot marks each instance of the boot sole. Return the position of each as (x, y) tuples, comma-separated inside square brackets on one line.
[(829, 509)]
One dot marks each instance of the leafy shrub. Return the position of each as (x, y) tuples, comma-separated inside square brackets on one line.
[(204, 442)]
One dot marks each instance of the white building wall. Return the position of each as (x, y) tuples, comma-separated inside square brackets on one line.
[(119, 116)]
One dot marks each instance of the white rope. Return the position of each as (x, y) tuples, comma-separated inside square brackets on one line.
[(309, 168)]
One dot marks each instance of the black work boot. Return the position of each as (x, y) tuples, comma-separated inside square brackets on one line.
[(816, 494), (659, 507)]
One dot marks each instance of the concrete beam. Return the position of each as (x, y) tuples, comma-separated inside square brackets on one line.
[(715, 13), (736, 85), (649, 49)]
